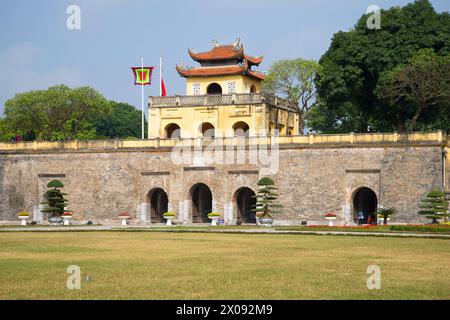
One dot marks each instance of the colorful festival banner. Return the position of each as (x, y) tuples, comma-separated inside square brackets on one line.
[(142, 75)]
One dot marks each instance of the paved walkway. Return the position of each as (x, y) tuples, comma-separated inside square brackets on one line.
[(261, 230)]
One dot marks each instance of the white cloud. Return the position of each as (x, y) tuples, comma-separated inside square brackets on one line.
[(19, 72)]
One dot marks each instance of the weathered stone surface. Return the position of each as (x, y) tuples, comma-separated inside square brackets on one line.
[(312, 181)]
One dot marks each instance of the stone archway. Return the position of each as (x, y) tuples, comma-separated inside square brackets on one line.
[(365, 200), (201, 203), (159, 203), (244, 199), (241, 129), (207, 130), (172, 131)]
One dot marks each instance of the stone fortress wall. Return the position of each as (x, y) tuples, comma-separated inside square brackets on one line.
[(317, 174)]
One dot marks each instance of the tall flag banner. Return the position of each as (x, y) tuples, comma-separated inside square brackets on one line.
[(142, 75), (162, 85)]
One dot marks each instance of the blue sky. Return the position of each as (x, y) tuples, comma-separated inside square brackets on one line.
[(37, 50)]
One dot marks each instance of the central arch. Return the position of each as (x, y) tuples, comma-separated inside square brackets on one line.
[(244, 199), (365, 200), (159, 203), (207, 130), (201, 198), (241, 129), (214, 88)]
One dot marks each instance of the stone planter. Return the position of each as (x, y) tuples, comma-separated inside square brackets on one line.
[(214, 220), (55, 220), (330, 221), (381, 220), (124, 220), (23, 220), (169, 220), (265, 221), (66, 221)]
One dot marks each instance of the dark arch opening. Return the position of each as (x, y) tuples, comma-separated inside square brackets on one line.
[(253, 89), (201, 203), (158, 204), (245, 199), (172, 131), (365, 201), (241, 129), (214, 88), (207, 130)]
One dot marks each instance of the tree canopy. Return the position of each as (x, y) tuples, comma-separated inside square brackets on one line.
[(357, 61), (62, 113), (294, 80)]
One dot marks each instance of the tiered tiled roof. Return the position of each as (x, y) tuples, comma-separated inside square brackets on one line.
[(222, 60)]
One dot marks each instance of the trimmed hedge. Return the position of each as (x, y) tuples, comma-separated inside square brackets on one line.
[(431, 229)]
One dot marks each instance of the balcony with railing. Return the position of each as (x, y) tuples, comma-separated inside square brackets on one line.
[(221, 100)]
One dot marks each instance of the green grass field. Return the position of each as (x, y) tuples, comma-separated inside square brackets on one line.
[(160, 265)]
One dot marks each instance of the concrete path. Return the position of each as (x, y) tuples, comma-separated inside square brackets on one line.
[(261, 230)]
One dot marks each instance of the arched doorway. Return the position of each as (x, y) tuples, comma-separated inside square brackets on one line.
[(201, 203), (214, 88), (244, 199), (172, 131), (207, 130), (365, 201), (241, 129), (158, 204)]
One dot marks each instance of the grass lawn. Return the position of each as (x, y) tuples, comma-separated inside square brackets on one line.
[(149, 265)]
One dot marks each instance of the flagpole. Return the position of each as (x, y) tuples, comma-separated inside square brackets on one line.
[(160, 76), (142, 98)]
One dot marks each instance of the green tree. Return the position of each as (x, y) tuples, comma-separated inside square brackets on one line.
[(356, 61), (266, 198), (294, 80), (57, 113), (435, 206), (124, 121), (416, 87), (55, 201)]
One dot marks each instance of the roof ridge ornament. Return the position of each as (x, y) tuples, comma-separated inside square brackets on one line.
[(215, 43), (237, 44)]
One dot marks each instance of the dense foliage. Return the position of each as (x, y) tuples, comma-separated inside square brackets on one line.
[(294, 81), (359, 63), (54, 199), (62, 113), (266, 198)]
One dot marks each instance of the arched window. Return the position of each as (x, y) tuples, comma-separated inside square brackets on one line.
[(172, 131), (241, 129), (214, 88), (207, 130), (253, 89)]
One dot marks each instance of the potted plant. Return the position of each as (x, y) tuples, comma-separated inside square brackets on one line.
[(23, 216), (169, 216), (55, 202), (383, 215), (214, 216), (265, 202), (330, 217), (124, 216), (67, 216)]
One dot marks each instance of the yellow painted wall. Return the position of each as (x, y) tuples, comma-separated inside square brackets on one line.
[(240, 83), (190, 118)]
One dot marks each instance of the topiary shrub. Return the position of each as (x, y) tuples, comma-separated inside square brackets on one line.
[(266, 199), (434, 206), (55, 200)]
